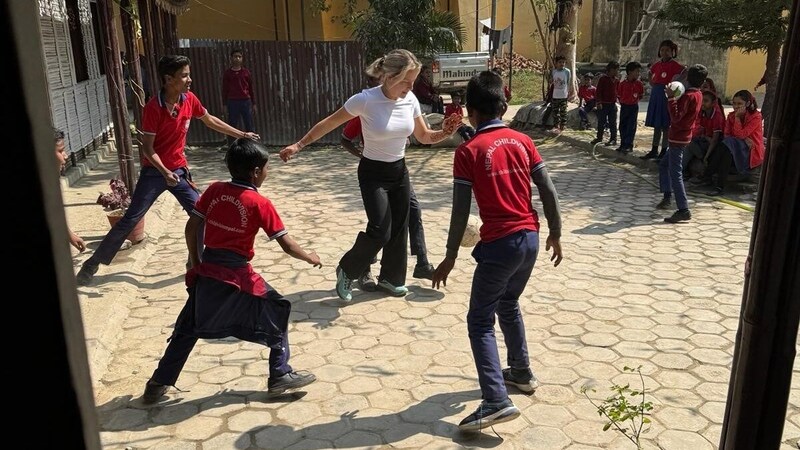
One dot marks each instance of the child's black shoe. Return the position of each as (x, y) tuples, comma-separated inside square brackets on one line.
[(290, 381), (611, 143), (596, 141), (153, 392), (664, 204), (681, 215)]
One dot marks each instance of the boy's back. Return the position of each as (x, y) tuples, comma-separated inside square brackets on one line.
[(498, 163)]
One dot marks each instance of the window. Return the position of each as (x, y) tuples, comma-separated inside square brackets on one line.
[(98, 38), (76, 41), (631, 16)]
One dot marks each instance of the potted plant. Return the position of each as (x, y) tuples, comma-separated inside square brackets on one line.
[(115, 203)]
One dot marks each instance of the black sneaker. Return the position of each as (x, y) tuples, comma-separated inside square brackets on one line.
[(489, 414), (85, 275), (620, 149), (522, 379), (596, 141), (716, 192), (611, 143), (652, 154), (682, 215), (367, 282), (627, 150), (153, 392), (664, 204), (290, 381), (424, 271)]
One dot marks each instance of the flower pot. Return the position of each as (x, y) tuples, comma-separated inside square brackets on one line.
[(136, 235)]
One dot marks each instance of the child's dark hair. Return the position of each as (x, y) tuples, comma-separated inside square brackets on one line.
[(750, 101), (456, 95), (612, 65), (170, 64), (588, 75), (631, 66), (696, 75), (237, 51), (58, 134), (243, 157), (485, 94), (671, 45), (560, 58)]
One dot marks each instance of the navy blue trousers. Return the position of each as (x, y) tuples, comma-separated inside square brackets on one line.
[(627, 124)]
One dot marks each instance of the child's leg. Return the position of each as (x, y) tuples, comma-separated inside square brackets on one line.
[(664, 139), (508, 313), (416, 232), (676, 176), (234, 116), (562, 113), (602, 118), (279, 358), (584, 115), (498, 261), (664, 183), (175, 356), (612, 121), (247, 115), (633, 125), (724, 164), (657, 132)]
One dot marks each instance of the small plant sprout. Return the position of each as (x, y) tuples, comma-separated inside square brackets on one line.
[(626, 410)]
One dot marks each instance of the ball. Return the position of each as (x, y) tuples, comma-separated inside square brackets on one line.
[(472, 235), (677, 87)]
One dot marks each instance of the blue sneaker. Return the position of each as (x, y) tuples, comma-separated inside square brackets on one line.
[(489, 414), (395, 291), (344, 285)]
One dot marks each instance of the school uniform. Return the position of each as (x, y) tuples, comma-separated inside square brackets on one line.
[(630, 92), (742, 147), (239, 96), (226, 296), (658, 117), (683, 115), (497, 164), (607, 106), (169, 130), (587, 96), (708, 123)]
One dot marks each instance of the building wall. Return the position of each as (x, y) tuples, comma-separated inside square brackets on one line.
[(606, 32), (744, 70)]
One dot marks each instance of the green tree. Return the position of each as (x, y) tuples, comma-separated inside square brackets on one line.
[(415, 25), (752, 25)]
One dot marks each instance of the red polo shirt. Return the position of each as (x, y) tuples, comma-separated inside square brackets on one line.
[(630, 92), (663, 72), (170, 129), (497, 163), (709, 123), (587, 93), (683, 114), (234, 212)]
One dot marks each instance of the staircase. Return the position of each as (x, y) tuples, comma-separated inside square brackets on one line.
[(632, 50)]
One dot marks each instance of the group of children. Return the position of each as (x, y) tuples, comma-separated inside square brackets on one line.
[(687, 126)]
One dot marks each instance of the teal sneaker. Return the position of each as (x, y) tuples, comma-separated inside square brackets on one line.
[(395, 291), (344, 285)]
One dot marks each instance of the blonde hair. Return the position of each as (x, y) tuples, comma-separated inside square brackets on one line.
[(396, 62)]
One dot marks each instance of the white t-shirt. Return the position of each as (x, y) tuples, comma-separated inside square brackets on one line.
[(561, 80), (385, 123)]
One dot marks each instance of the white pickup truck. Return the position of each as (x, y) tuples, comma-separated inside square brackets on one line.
[(452, 71)]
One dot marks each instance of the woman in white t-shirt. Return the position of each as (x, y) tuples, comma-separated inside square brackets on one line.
[(389, 114)]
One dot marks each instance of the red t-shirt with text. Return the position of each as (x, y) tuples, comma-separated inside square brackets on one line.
[(170, 129), (234, 213), (497, 163)]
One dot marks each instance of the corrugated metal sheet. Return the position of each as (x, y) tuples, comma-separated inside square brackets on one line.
[(296, 84)]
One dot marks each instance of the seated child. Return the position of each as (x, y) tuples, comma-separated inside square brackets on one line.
[(586, 101), (707, 131), (226, 296), (455, 107)]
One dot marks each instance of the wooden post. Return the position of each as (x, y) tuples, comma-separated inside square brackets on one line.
[(148, 39), (134, 67), (275, 18), (477, 27), (288, 25), (303, 18), (511, 48), (116, 93)]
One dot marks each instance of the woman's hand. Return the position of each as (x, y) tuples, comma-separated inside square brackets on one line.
[(452, 124), (288, 152)]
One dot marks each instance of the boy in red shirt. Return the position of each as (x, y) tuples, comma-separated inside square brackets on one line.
[(707, 131), (226, 296), (498, 165), (465, 131), (586, 99), (238, 93), (607, 104), (165, 123), (631, 90), (683, 114)]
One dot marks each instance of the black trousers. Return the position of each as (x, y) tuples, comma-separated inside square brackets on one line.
[(720, 164), (386, 192)]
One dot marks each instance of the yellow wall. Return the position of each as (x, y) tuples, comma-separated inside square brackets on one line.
[(255, 19), (744, 70)]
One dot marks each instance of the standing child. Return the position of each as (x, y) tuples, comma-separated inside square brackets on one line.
[(561, 77), (238, 93), (743, 144), (631, 90), (607, 104), (455, 107), (683, 112), (586, 99), (498, 165), (662, 73), (226, 296)]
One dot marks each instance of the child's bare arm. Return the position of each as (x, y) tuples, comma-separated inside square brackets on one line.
[(293, 249), (192, 227)]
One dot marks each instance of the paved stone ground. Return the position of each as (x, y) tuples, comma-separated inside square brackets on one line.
[(398, 372)]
